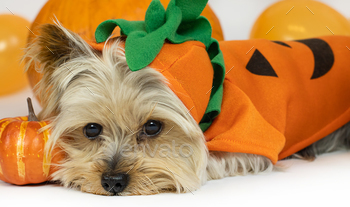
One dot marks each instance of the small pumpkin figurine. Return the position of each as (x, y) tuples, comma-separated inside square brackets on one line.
[(22, 159)]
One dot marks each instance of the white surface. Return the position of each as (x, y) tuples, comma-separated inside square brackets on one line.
[(324, 182)]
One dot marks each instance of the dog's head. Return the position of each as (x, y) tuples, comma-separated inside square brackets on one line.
[(123, 132)]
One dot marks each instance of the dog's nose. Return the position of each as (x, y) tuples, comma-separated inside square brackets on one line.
[(114, 183)]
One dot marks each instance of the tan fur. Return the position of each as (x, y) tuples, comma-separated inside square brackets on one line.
[(224, 164), (81, 85)]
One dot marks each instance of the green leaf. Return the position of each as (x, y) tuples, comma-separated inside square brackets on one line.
[(191, 9), (105, 29), (155, 16)]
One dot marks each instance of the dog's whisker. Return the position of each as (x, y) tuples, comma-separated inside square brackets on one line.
[(179, 177), (173, 172), (150, 184), (150, 113)]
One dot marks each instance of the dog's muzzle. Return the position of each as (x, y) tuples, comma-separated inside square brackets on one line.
[(114, 183)]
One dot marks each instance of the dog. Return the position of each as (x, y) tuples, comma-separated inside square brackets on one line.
[(128, 133)]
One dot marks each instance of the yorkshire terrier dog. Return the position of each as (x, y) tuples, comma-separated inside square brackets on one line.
[(127, 133)]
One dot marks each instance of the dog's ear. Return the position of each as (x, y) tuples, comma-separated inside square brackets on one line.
[(48, 53), (54, 46)]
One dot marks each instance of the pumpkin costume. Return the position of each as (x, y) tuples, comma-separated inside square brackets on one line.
[(278, 98), (274, 99), (281, 97)]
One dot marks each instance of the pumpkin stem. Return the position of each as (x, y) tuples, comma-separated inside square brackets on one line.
[(31, 114)]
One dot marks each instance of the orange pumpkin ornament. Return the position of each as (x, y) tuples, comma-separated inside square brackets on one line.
[(83, 17), (22, 159)]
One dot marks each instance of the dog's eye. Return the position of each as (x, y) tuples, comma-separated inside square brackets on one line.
[(152, 127), (92, 130)]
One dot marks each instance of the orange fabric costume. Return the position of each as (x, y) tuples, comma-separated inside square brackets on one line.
[(279, 97)]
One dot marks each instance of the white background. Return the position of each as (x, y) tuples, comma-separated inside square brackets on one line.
[(324, 182)]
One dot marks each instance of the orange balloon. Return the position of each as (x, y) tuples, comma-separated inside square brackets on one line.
[(299, 19), (13, 38)]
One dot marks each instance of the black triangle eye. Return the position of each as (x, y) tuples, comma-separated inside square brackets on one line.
[(258, 65), (152, 127), (92, 130)]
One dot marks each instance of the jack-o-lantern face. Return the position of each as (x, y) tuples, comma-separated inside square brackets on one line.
[(322, 52)]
